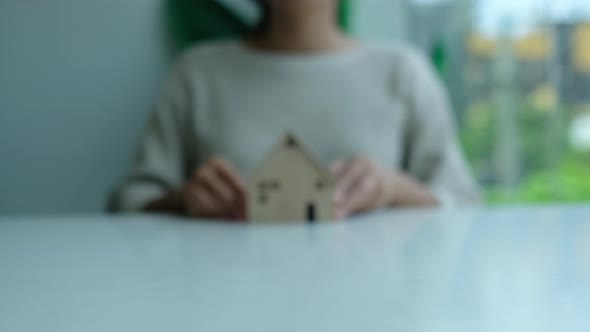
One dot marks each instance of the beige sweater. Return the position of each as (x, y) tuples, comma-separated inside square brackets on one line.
[(224, 99)]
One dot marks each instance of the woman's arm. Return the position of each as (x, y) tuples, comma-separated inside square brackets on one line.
[(159, 169), (436, 173), (163, 179), (433, 154)]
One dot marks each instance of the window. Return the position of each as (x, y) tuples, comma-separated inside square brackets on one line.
[(519, 76)]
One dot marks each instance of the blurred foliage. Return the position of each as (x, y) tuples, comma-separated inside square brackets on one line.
[(551, 172), (478, 134), (569, 183), (542, 137)]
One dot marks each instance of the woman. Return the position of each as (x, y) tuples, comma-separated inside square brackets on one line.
[(377, 115)]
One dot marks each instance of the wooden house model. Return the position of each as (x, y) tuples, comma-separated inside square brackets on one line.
[(290, 186)]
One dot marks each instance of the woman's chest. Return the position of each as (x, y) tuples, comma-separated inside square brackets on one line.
[(336, 117)]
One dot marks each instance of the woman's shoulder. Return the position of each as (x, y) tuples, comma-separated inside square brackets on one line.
[(404, 64), (400, 55), (207, 52)]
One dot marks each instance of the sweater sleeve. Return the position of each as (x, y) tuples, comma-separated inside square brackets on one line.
[(161, 159), (433, 153)]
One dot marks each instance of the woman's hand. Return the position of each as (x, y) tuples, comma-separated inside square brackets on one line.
[(215, 191), (363, 185)]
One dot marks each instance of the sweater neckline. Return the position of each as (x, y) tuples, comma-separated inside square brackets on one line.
[(305, 58)]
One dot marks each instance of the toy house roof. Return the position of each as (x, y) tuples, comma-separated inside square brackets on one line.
[(291, 141)]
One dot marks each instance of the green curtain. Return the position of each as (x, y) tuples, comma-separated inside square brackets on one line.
[(192, 21), (438, 56), (345, 13)]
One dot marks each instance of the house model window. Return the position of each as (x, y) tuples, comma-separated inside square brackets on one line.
[(290, 186)]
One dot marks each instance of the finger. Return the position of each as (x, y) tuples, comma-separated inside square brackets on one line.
[(221, 191), (199, 204), (233, 179), (338, 170), (350, 175), (361, 197), (341, 213), (194, 178), (337, 167), (346, 205), (230, 176), (207, 206)]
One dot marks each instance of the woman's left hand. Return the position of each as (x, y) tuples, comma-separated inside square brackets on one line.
[(363, 185)]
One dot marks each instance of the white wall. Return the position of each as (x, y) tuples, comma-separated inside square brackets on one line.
[(77, 78)]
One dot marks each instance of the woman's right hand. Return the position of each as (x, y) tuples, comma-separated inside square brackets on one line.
[(215, 191)]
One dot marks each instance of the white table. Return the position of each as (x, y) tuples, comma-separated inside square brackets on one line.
[(519, 269)]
